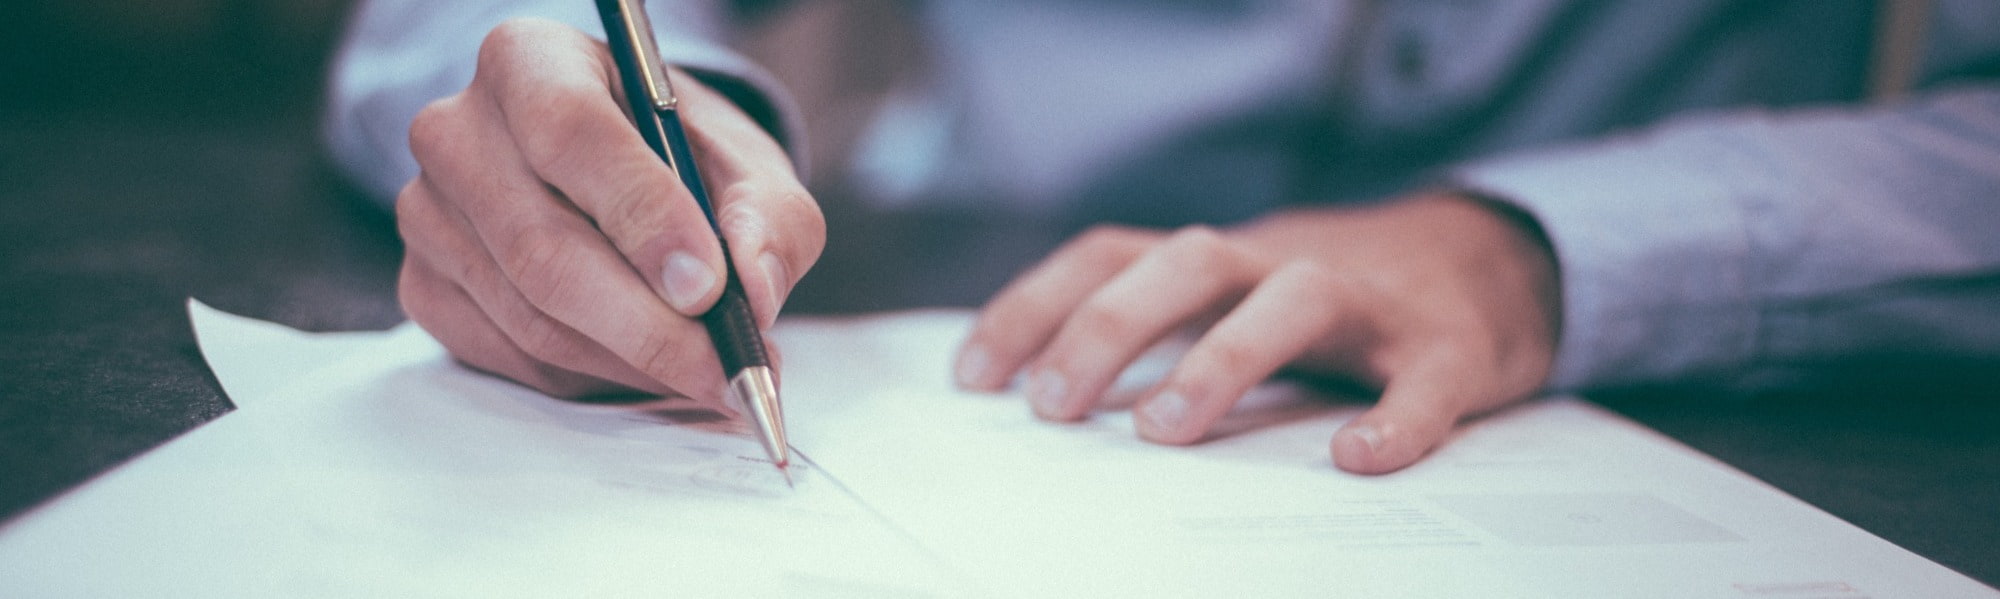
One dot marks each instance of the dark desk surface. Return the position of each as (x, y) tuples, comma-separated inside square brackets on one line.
[(109, 227)]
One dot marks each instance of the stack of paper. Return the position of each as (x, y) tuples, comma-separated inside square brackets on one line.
[(371, 464)]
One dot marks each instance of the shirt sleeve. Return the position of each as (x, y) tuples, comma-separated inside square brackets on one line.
[(399, 55), (1750, 249)]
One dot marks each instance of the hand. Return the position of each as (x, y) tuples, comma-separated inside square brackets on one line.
[(1444, 303), (546, 243)]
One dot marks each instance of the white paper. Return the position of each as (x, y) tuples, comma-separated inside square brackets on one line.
[(272, 356), (396, 472), (1556, 498), (389, 470)]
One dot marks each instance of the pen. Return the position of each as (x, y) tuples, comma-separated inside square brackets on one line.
[(731, 326)]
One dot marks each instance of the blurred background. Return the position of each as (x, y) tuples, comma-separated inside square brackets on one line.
[(181, 61), (172, 63), (151, 152)]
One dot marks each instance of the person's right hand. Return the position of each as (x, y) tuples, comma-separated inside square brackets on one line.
[(546, 243)]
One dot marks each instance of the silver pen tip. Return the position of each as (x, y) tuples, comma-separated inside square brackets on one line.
[(758, 393)]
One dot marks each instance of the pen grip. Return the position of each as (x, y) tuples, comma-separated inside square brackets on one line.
[(734, 327)]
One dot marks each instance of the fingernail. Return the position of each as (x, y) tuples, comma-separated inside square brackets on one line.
[(687, 280), (1045, 392), (972, 365), (779, 278), (1369, 438), (1165, 413)]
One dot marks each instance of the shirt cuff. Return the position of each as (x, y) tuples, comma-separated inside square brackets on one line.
[(1653, 251)]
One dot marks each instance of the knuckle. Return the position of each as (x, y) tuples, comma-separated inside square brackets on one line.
[(1220, 358), (412, 295), (537, 260), (1024, 303), (812, 241), (742, 224), (506, 43), (474, 274), (800, 203), (1198, 249), (555, 125), (562, 124), (659, 355), (411, 214), (1001, 314), (430, 130), (422, 223), (1098, 323), (1100, 248), (544, 339), (784, 217), (745, 203), (630, 204), (741, 193), (547, 116)]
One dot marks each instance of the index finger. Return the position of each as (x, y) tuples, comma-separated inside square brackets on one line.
[(557, 92), (1021, 319)]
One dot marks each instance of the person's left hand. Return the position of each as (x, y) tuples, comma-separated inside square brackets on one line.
[(1444, 302)]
